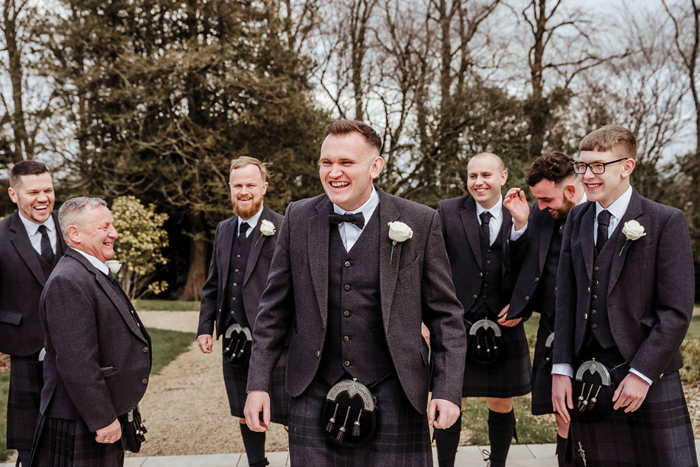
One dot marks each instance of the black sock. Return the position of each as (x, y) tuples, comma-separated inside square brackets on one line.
[(446, 442), (561, 452), (254, 443), (501, 432)]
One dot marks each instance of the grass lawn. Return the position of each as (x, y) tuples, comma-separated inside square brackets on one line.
[(166, 346), (166, 305)]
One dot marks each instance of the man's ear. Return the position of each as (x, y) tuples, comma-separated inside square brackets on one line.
[(13, 195), (74, 234), (569, 191)]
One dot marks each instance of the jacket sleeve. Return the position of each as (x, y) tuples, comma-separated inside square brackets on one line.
[(564, 331), (210, 290)]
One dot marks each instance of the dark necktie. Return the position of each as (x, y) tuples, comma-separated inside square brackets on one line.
[(485, 231), (46, 250), (603, 225), (244, 228), (358, 219)]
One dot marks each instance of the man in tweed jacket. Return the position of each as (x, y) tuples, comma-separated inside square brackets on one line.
[(393, 286)]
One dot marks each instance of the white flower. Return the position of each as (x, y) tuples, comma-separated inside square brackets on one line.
[(113, 265), (633, 230), (267, 228), (399, 232)]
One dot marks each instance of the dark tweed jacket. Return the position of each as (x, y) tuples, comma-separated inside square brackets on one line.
[(416, 286)]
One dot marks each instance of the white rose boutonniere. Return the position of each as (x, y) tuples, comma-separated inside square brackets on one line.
[(398, 232), (113, 265), (267, 229), (633, 230)]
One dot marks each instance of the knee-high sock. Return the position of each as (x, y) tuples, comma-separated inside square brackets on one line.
[(254, 443), (447, 441), (501, 432), (561, 452)]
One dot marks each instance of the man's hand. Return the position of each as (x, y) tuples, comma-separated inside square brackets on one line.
[(257, 401), (509, 323), (425, 332), (631, 393), (449, 412), (206, 344), (109, 434), (561, 396), (516, 203)]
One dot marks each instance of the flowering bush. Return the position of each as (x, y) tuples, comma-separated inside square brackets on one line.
[(140, 245)]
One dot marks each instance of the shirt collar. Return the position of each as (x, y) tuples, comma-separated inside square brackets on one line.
[(618, 207), (366, 209), (102, 267), (496, 210), (32, 227), (252, 222)]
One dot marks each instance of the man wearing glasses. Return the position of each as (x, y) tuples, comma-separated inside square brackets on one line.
[(624, 301)]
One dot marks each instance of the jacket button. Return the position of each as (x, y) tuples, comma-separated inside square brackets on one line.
[(537, 279), (318, 353), (237, 270), (481, 274), (235, 284), (219, 310), (485, 297), (323, 325), (594, 326), (488, 274), (347, 287), (589, 290), (488, 261), (473, 297), (594, 297), (346, 313), (144, 381), (488, 251), (486, 286), (527, 297), (233, 298), (595, 268), (585, 316), (596, 282), (347, 264), (347, 363), (346, 338), (593, 312), (238, 256), (145, 350)]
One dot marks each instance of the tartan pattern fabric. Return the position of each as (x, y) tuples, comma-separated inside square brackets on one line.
[(402, 439), (236, 379), (69, 443), (24, 398), (507, 377), (542, 372), (659, 433)]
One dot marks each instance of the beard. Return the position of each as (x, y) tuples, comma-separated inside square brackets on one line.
[(563, 211), (246, 212)]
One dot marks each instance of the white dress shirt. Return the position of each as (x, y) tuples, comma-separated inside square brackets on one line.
[(252, 222), (95, 262), (349, 233), (32, 229)]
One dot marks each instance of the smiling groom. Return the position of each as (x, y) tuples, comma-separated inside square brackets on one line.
[(624, 301), (352, 293)]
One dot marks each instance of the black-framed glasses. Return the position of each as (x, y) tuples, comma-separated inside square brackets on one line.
[(596, 167)]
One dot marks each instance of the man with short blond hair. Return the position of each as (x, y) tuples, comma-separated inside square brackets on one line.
[(625, 293)]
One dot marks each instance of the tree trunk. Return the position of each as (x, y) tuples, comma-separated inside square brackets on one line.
[(10, 14), (197, 274)]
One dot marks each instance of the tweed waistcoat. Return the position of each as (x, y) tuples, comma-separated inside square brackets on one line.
[(598, 322), (491, 278), (236, 273)]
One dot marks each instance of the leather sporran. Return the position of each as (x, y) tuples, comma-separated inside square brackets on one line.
[(549, 351), (238, 342), (484, 342), (594, 388), (133, 430), (349, 414)]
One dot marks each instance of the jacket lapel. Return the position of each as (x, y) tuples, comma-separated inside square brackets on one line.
[(256, 247), (389, 264), (471, 228), (21, 242), (546, 232), (634, 210), (228, 236), (60, 242), (586, 238), (506, 227), (318, 240)]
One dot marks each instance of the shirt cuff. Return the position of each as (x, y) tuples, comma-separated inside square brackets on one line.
[(516, 234), (563, 369), (202, 335), (632, 370)]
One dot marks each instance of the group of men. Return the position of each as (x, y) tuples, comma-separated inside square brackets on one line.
[(322, 311)]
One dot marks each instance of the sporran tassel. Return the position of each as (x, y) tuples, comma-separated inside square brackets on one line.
[(356, 425), (331, 421), (341, 430)]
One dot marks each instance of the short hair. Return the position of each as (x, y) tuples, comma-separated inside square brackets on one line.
[(26, 168), (344, 127), (244, 161), (553, 166), (72, 210), (488, 154), (613, 138)]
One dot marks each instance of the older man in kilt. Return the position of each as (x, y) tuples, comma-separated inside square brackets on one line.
[(624, 301), (478, 230), (557, 188), (238, 272), (354, 274)]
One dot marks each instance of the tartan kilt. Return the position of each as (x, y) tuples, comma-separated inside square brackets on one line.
[(69, 443), (24, 398), (236, 379), (507, 377), (659, 433), (542, 370), (402, 438)]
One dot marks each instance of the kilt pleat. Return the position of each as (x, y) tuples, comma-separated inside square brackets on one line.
[(69, 443), (236, 379), (509, 376), (659, 433), (542, 371), (403, 436), (24, 398)]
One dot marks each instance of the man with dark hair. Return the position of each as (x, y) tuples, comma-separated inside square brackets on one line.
[(556, 187), (354, 274), (625, 293), (98, 354), (30, 246), (478, 231), (238, 272)]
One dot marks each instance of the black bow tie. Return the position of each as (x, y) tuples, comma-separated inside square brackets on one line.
[(358, 219)]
